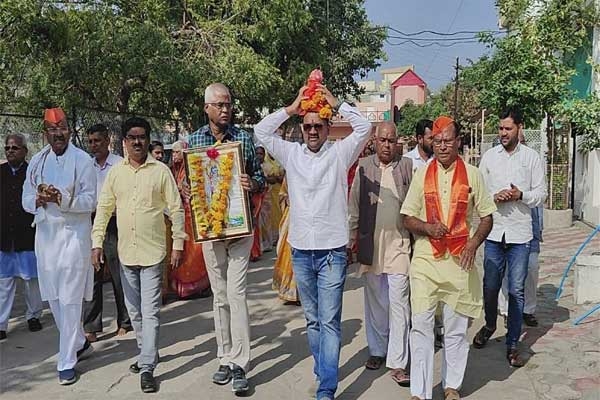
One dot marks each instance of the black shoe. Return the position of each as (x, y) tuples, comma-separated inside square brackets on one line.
[(223, 375), (34, 324), (530, 319), (147, 382), (2, 335), (239, 383), (135, 368), (85, 351)]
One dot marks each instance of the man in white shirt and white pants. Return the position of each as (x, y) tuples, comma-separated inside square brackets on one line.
[(60, 190), (316, 172), (514, 174)]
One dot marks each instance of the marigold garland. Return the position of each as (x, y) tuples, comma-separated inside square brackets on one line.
[(211, 217), (316, 101)]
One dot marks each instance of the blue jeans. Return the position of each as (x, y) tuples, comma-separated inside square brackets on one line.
[(512, 258), (320, 277)]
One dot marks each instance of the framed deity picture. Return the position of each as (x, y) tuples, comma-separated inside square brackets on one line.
[(219, 206)]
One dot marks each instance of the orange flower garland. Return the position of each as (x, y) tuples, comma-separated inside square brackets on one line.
[(316, 101), (214, 217)]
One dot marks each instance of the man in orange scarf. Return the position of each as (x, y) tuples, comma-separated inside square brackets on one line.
[(438, 210)]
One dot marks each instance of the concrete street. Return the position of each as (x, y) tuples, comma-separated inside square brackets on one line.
[(564, 359)]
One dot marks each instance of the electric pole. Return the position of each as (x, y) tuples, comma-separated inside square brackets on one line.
[(456, 91)]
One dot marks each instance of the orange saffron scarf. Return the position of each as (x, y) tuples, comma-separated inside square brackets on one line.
[(456, 240)]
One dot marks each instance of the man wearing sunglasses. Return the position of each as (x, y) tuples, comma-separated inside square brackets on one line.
[(318, 233), (60, 190), (17, 256)]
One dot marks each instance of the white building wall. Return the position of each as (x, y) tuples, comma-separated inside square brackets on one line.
[(587, 166)]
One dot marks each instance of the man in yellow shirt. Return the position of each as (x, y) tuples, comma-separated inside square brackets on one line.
[(140, 188), (438, 210)]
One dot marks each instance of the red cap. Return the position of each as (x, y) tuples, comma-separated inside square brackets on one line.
[(54, 115), (440, 124)]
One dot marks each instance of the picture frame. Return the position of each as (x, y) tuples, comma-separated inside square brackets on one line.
[(219, 205)]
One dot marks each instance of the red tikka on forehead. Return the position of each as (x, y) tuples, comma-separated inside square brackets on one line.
[(54, 115), (440, 124)]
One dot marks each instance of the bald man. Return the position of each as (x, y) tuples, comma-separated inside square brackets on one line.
[(377, 226)]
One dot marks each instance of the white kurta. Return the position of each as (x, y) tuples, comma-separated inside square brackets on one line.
[(63, 233)]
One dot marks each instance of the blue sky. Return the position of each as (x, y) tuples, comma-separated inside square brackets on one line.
[(433, 64)]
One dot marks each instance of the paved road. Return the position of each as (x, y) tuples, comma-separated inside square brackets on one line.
[(564, 363)]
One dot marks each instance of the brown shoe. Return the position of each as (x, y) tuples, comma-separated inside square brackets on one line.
[(91, 337), (451, 394), (374, 362), (514, 359)]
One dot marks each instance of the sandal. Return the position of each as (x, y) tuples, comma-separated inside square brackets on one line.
[(514, 359), (374, 362), (401, 377), (451, 394), (482, 337)]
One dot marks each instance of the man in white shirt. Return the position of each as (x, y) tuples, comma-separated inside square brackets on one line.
[(60, 191), (423, 152), (514, 173), (316, 172), (104, 160)]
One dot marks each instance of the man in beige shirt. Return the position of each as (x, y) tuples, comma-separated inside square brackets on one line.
[(376, 226), (140, 188)]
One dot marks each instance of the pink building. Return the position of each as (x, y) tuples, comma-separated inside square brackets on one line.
[(408, 87)]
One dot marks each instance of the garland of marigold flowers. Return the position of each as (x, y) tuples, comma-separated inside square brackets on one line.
[(211, 217)]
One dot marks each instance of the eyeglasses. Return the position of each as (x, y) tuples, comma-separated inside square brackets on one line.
[(447, 142), (136, 138), (13, 148), (309, 127), (221, 106)]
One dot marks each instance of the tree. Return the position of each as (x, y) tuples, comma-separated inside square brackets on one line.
[(411, 113), (533, 66), (156, 56)]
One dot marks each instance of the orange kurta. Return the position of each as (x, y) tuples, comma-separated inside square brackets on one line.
[(191, 277)]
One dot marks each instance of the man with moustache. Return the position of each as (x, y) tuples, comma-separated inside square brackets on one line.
[(104, 160), (383, 251), (422, 153), (514, 173), (438, 210), (17, 256), (60, 190), (227, 260), (316, 172), (140, 188)]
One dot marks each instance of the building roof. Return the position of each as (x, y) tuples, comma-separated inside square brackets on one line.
[(409, 78)]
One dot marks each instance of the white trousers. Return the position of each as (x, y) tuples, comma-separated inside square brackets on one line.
[(531, 283), (33, 299), (70, 332), (387, 317), (454, 353), (227, 265)]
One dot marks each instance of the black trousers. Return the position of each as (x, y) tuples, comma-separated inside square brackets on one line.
[(92, 310)]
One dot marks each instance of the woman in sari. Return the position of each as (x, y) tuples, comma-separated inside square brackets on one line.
[(283, 274), (191, 276), (271, 212)]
